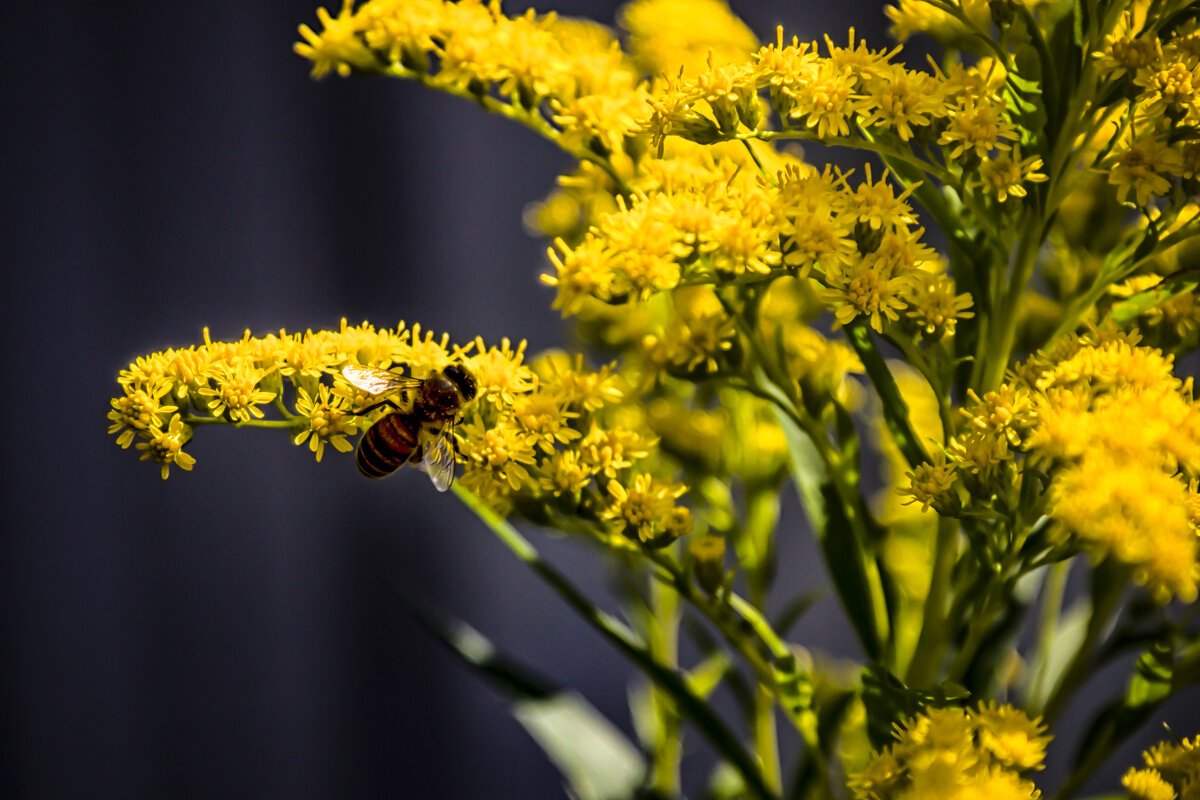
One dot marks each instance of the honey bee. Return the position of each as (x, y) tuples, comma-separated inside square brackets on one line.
[(421, 434)]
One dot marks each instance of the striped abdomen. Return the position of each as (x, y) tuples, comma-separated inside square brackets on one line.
[(387, 445)]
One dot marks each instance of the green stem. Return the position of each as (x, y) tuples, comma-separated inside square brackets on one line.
[(668, 748), (977, 631), (762, 514), (1004, 331), (855, 143), (790, 685), (616, 633), (765, 738), (531, 119), (931, 644), (253, 423)]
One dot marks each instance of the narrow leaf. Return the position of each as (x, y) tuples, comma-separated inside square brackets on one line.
[(597, 760)]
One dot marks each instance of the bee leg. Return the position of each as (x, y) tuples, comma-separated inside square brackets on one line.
[(380, 404), (418, 453)]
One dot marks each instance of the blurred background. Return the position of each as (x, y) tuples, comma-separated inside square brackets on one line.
[(239, 631)]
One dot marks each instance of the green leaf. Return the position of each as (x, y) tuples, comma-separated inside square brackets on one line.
[(597, 760), (895, 410), (706, 676), (1068, 638), (665, 676), (1129, 309), (843, 553), (796, 608), (841, 532)]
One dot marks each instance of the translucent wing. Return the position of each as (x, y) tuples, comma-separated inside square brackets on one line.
[(438, 460), (377, 381)]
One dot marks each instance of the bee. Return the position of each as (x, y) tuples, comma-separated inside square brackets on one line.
[(422, 434)]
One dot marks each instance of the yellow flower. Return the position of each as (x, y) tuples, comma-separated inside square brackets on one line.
[(236, 393), (1172, 770), (610, 450), (976, 754), (875, 204), (329, 420), (1007, 412), (857, 289), (931, 484), (565, 473), (1135, 512), (424, 353), (582, 272), (665, 35), (1012, 737), (902, 99), (1143, 169), (883, 772), (1004, 174), (580, 388), (166, 447), (1147, 784), (338, 46), (498, 454), (646, 506), (934, 306), (500, 372), (139, 410), (546, 418), (826, 100), (1170, 91), (1124, 53), (976, 128)]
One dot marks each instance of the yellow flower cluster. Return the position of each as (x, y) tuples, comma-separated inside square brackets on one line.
[(539, 434), (957, 754), (591, 92), (1119, 436), (1172, 772), (1154, 151), (469, 47), (910, 17), (716, 224), (857, 94), (665, 35)]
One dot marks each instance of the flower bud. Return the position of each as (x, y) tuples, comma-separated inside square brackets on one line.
[(708, 561)]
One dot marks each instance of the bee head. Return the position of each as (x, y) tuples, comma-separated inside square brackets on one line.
[(464, 380)]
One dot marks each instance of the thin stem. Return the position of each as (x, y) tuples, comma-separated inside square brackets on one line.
[(620, 636), (855, 143), (252, 423), (1003, 334), (766, 744), (931, 644), (754, 156), (663, 623), (531, 119)]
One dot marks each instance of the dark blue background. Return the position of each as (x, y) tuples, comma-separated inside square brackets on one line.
[(235, 632)]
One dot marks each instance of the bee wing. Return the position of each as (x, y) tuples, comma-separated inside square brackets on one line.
[(377, 381), (438, 460)]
